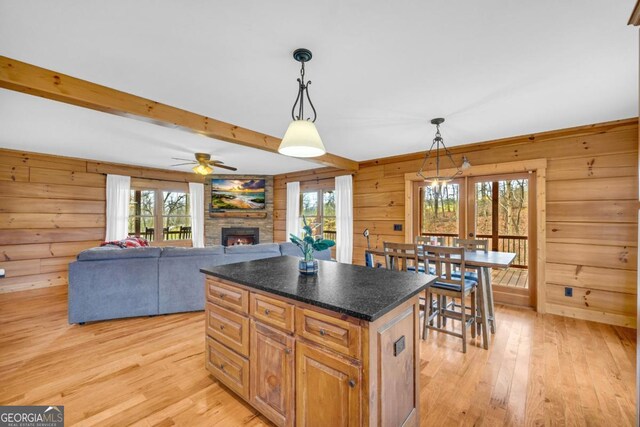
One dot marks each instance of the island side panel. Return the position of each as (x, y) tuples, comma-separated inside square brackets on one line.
[(392, 381)]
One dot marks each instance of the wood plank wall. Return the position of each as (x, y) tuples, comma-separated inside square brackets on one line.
[(51, 208), (592, 202)]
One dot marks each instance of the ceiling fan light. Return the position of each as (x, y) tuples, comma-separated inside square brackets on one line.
[(202, 169), (302, 140)]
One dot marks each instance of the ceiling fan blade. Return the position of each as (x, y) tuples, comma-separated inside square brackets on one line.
[(186, 160), (182, 164), (231, 168), (216, 162)]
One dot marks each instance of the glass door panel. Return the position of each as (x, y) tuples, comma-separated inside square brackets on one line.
[(440, 213), (499, 213), (513, 217)]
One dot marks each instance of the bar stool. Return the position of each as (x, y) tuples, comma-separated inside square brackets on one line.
[(445, 259), (482, 275)]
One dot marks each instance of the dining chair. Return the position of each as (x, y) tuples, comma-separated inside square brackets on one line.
[(472, 244), (485, 275), (401, 256), (448, 285), (426, 240)]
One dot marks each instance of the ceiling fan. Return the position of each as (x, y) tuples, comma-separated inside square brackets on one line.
[(204, 164)]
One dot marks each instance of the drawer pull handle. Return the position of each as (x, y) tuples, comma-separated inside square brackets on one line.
[(267, 311), (287, 350), (221, 295), (352, 383), (222, 366), (221, 327), (323, 332)]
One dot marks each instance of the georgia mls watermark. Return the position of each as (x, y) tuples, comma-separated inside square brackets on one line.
[(31, 416)]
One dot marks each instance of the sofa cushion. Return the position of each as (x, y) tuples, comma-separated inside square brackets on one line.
[(106, 253), (267, 248), (177, 252)]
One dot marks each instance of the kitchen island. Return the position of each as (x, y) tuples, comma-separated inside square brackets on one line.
[(339, 348)]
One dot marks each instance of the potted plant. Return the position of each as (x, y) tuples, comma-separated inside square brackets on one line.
[(308, 265)]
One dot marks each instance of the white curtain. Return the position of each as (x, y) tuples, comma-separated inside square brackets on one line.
[(118, 188), (344, 219), (293, 209), (196, 205)]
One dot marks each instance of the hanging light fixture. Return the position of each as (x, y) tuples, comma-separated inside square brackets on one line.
[(438, 180), (302, 138)]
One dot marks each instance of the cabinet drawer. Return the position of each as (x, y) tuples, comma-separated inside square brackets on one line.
[(228, 367), (330, 332), (229, 328), (272, 311), (228, 296)]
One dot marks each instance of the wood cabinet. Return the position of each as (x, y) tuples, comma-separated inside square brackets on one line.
[(328, 388), (272, 372), (301, 365)]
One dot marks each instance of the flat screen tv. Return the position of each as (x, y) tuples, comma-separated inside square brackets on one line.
[(243, 194)]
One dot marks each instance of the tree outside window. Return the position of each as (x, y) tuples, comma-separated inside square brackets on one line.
[(319, 208), (150, 207)]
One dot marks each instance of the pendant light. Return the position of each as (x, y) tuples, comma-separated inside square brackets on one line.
[(302, 138), (438, 180)]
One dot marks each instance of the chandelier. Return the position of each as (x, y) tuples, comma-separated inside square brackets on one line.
[(441, 154), (302, 138)]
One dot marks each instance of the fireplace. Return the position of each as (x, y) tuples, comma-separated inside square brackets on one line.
[(237, 236)]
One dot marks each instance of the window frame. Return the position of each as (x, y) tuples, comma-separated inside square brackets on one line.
[(320, 212), (159, 187)]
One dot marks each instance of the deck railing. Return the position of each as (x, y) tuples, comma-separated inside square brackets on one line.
[(506, 243), (329, 235)]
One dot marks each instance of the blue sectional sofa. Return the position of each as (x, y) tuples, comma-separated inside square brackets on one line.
[(112, 283)]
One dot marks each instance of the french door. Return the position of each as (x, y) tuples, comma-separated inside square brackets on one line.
[(497, 208), (501, 209)]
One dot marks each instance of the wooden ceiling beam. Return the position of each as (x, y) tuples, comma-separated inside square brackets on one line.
[(33, 80)]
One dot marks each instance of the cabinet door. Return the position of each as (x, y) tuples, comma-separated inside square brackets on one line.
[(327, 388), (272, 373)]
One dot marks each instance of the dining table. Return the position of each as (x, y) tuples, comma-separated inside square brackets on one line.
[(482, 262)]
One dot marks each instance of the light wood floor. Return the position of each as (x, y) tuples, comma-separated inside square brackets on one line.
[(513, 277), (540, 370)]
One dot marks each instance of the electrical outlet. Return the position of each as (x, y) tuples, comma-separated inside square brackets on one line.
[(568, 292), (397, 227), (1, 273)]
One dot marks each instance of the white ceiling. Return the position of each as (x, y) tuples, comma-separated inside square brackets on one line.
[(381, 70)]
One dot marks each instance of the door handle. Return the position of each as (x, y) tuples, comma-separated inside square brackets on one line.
[(470, 234)]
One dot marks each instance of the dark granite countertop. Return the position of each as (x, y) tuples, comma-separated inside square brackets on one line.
[(365, 293)]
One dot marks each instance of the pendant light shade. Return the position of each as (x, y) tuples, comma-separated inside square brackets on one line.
[(302, 140)]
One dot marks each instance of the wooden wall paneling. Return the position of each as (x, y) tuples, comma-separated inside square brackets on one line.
[(589, 220), (47, 220), (53, 207), (14, 173), (618, 188), (50, 191), (46, 161), (606, 233), (44, 250), (36, 205), (56, 176), (593, 299), (17, 237), (592, 211), (603, 166), (601, 278), (622, 257)]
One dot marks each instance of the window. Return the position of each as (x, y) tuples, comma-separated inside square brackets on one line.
[(319, 208), (149, 208)]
